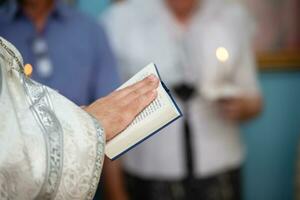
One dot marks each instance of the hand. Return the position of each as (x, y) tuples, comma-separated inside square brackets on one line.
[(240, 108), (117, 110)]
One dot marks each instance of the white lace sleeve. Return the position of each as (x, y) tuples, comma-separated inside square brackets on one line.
[(49, 147)]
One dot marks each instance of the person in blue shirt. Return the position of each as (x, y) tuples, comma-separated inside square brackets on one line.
[(69, 51)]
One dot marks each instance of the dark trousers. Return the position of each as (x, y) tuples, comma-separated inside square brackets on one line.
[(225, 186)]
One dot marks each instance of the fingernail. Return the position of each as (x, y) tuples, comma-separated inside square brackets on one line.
[(152, 77)]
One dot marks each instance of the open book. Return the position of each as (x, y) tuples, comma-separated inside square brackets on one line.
[(161, 112)]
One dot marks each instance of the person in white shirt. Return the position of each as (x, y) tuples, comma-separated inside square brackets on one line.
[(200, 156)]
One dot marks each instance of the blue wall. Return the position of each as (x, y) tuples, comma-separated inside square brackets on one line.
[(272, 139)]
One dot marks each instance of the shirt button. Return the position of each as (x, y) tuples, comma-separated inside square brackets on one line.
[(44, 68)]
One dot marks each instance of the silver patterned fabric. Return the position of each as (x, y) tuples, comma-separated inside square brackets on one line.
[(49, 147), (0, 80), (41, 107)]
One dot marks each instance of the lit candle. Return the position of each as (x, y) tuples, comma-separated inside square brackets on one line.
[(223, 56), (227, 88)]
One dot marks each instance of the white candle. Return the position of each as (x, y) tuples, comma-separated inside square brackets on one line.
[(222, 55)]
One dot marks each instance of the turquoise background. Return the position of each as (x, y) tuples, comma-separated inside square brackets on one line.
[(271, 139), (92, 7)]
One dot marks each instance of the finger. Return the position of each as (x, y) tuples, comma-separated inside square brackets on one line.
[(140, 92), (230, 109), (138, 104), (231, 115), (149, 80)]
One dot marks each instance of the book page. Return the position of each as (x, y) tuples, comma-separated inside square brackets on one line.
[(152, 108)]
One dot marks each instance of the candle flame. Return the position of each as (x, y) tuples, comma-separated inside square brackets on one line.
[(28, 69), (222, 54)]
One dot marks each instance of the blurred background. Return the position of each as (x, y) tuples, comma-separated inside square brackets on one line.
[(269, 171)]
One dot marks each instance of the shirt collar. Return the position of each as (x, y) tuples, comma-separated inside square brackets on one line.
[(12, 10)]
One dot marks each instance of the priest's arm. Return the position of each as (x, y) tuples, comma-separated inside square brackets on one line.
[(49, 147)]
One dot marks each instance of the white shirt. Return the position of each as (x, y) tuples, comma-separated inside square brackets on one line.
[(185, 54)]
